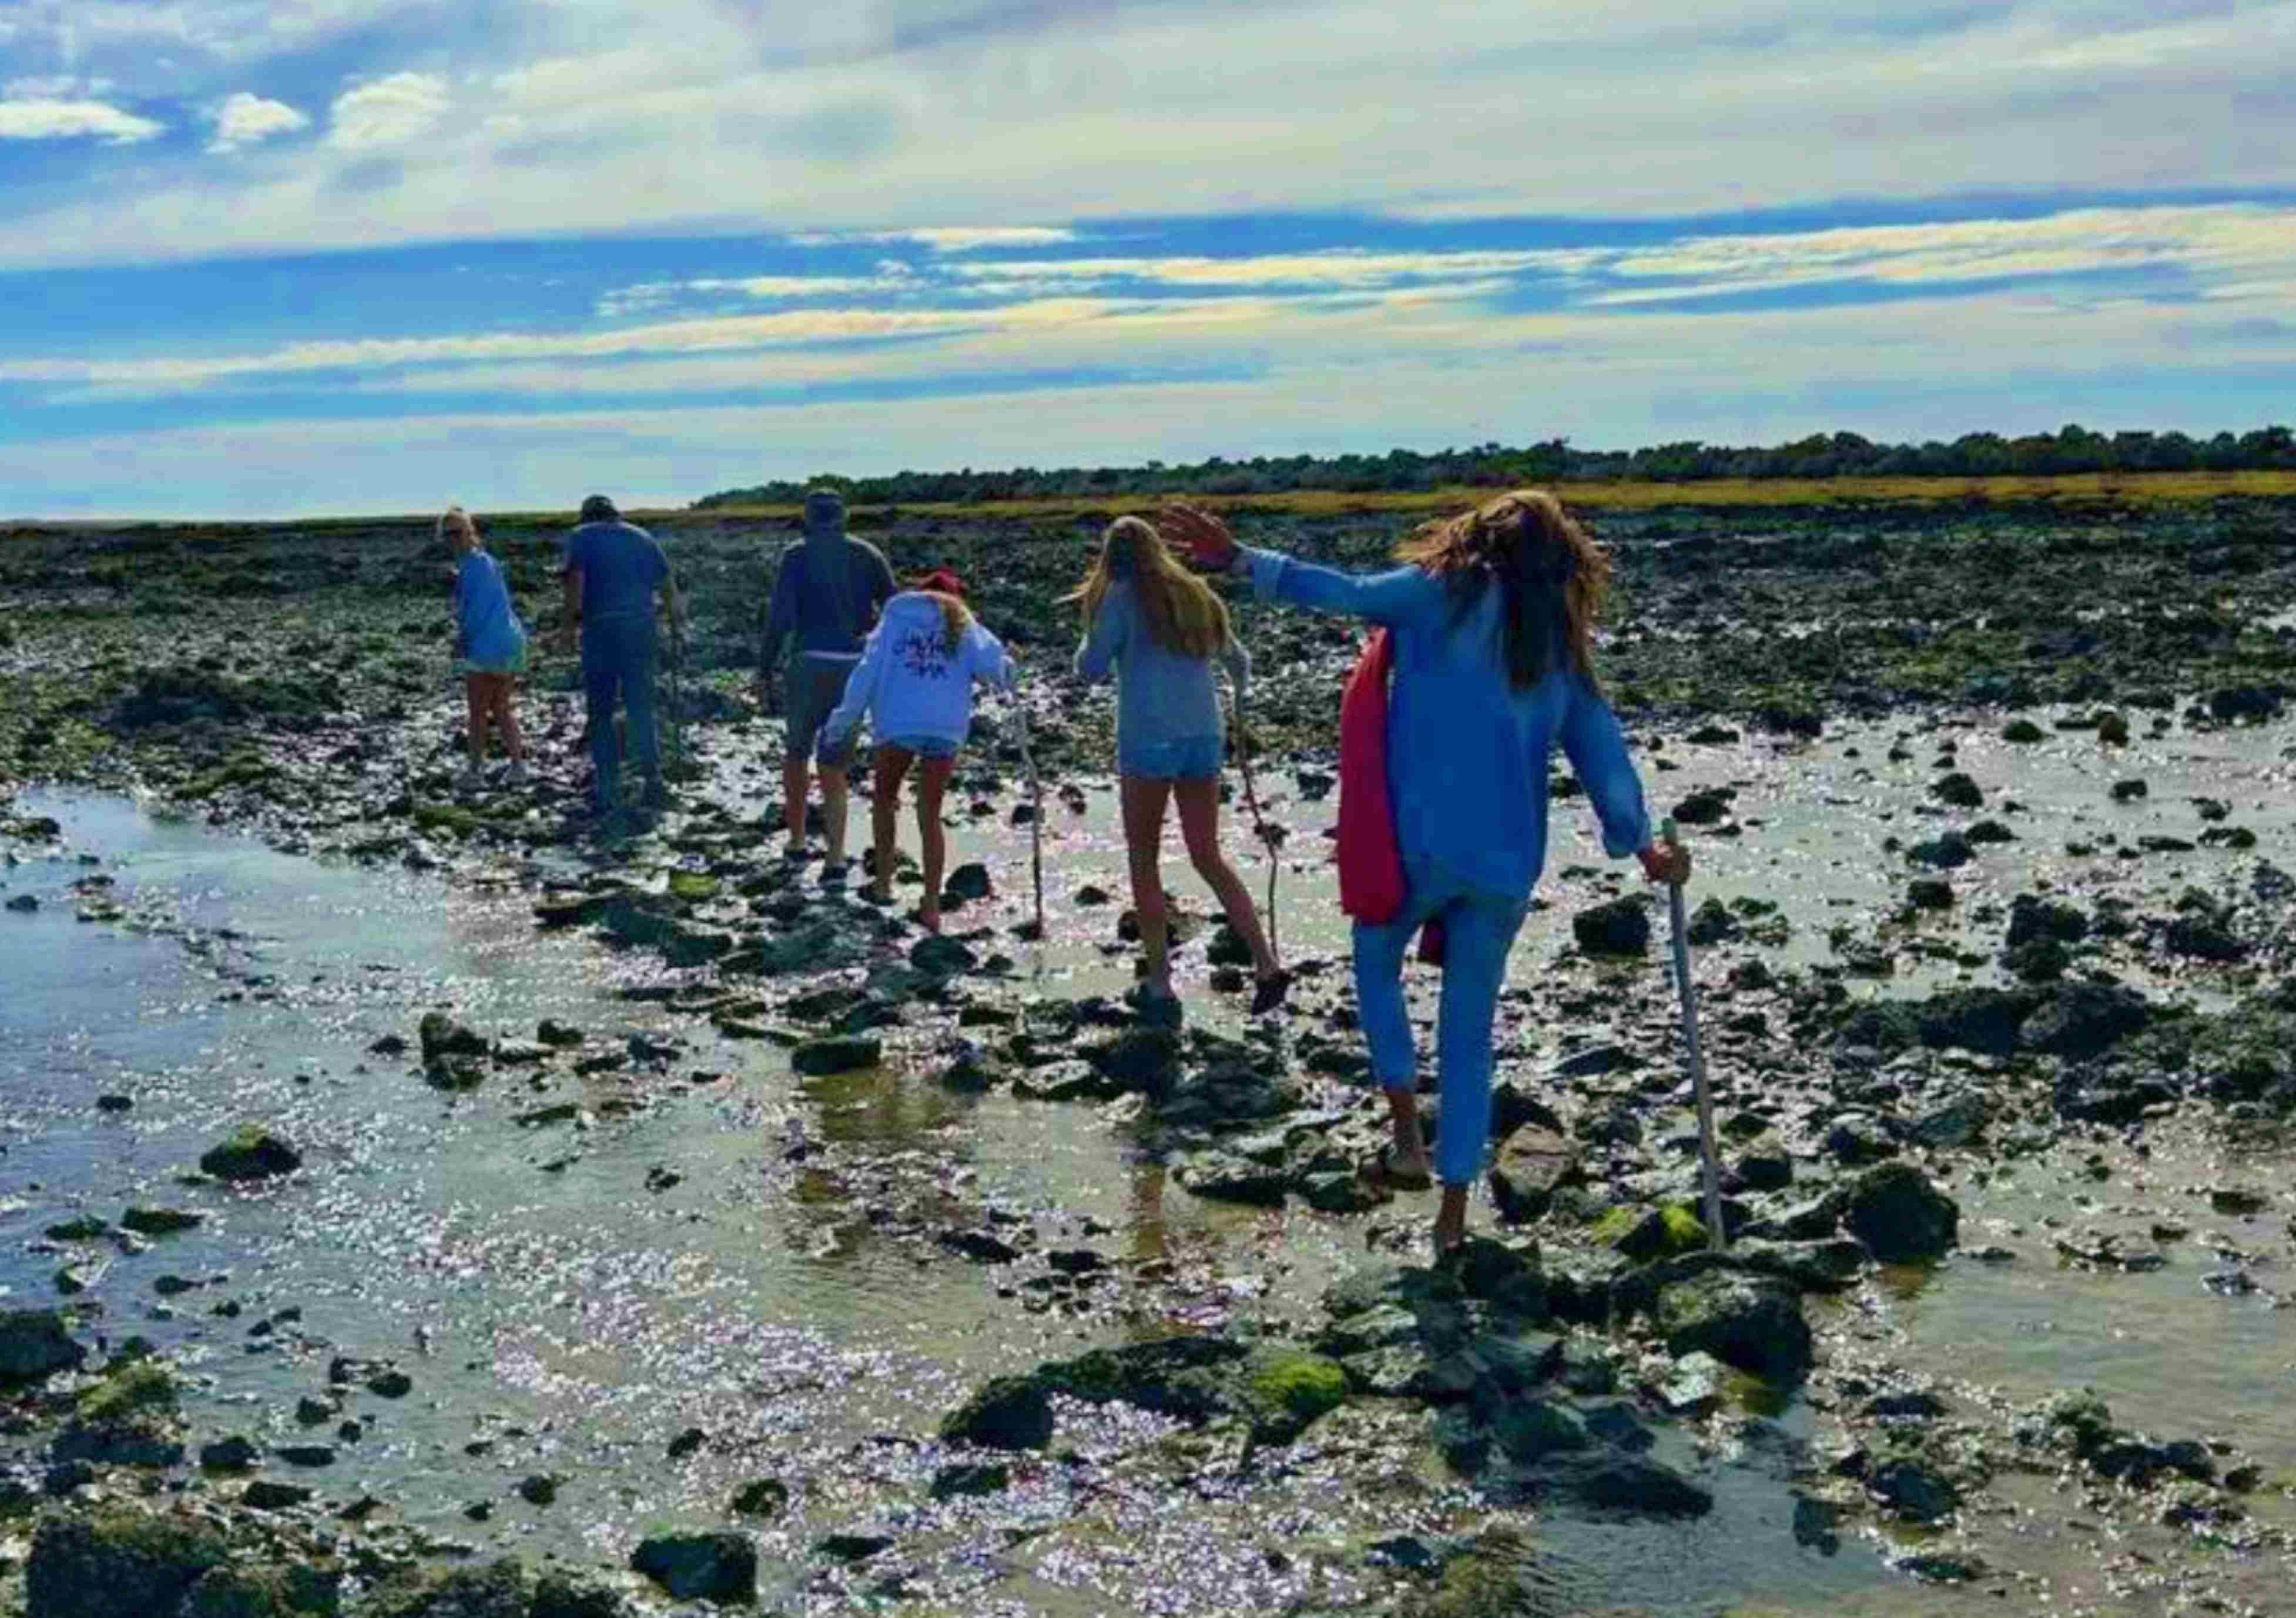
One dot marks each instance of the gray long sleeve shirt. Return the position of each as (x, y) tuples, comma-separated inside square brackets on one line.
[(827, 594)]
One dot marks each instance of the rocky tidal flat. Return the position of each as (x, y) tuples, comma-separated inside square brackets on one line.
[(416, 1202)]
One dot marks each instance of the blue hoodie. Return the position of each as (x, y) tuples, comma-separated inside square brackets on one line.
[(916, 686), (1467, 753), (487, 630)]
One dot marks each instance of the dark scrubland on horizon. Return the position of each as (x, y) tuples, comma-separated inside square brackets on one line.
[(2062, 971)]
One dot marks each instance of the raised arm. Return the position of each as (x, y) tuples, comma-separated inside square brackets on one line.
[(1597, 750), (1112, 627), (1399, 596)]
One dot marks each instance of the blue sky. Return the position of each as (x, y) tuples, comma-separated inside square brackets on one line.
[(265, 257)]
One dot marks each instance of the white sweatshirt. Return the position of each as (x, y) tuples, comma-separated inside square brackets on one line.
[(910, 679)]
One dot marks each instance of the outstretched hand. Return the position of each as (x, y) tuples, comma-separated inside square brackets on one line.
[(1667, 862), (1206, 538)]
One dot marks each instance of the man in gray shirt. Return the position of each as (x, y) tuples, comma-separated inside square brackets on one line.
[(826, 597)]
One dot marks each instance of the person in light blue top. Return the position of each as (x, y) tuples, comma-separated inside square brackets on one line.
[(613, 570), (489, 645), (1159, 629), (1492, 622)]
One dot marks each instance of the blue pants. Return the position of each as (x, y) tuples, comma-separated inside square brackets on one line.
[(618, 661), (1479, 930)]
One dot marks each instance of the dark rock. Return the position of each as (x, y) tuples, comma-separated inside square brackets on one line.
[(1959, 791), (967, 1478), (1708, 807), (852, 1547), (701, 1566), (1620, 928), (1610, 1482), (2128, 791), (250, 1153), (1713, 922), (561, 1596), (1220, 1175), (942, 957), (1752, 1322), (1914, 1490), (1008, 1413), (116, 1562), (539, 1488), (1531, 1164), (1929, 893), (233, 1454), (160, 1222), (1900, 1216), (34, 1344), (264, 1495), (970, 882), (499, 1589), (1949, 852), (2083, 1020), (821, 1058), (443, 1037), (1138, 1058), (763, 1497)]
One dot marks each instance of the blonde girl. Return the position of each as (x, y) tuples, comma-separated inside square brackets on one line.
[(1159, 629)]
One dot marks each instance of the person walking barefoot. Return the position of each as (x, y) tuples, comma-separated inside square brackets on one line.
[(916, 677), (827, 594), (490, 646), (1159, 629), (1492, 619)]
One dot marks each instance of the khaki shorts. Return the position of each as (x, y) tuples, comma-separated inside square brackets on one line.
[(816, 686)]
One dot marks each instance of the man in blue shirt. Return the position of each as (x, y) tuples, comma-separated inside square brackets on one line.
[(613, 570)]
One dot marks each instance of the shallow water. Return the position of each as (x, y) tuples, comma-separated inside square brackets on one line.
[(566, 1319)]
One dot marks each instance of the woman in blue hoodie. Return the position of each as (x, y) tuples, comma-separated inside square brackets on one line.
[(489, 644), (1492, 618), (916, 676)]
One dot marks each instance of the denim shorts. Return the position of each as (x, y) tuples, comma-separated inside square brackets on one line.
[(1189, 758), (934, 748), (816, 686)]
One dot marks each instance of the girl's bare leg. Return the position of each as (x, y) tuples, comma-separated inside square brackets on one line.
[(474, 694), (1199, 807), (932, 784), (1143, 800), (884, 817)]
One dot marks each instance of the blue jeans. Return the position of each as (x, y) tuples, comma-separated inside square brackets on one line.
[(618, 661), (1479, 930)]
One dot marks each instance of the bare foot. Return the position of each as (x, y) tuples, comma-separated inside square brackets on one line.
[(1451, 1221)]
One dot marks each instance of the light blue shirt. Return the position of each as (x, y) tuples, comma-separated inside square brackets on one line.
[(1162, 696), (487, 630), (1467, 753), (622, 566)]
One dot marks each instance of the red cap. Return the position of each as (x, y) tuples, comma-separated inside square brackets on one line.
[(943, 581)]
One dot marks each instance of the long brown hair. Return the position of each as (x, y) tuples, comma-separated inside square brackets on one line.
[(1550, 572), (955, 618), (1182, 613)]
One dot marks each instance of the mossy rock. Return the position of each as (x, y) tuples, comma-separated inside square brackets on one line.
[(1646, 1234), (145, 1387), (117, 1562), (1287, 1390), (446, 818), (692, 886), (499, 1589), (251, 1152)]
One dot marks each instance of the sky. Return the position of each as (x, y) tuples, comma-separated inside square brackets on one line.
[(278, 258)]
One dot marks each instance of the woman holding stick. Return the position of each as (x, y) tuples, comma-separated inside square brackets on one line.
[(1492, 619), (1159, 629)]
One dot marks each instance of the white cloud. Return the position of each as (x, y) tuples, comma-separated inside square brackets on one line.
[(950, 237), (1336, 268), (57, 120), (57, 86), (388, 112), (246, 120)]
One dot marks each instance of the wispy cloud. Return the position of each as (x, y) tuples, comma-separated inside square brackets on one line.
[(949, 237), (387, 112), (59, 120), (246, 120)]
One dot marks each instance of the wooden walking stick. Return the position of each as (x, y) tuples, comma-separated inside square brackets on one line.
[(1709, 1167), (1036, 814), (1270, 841)]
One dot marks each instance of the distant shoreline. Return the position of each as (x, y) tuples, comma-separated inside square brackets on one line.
[(2099, 488)]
